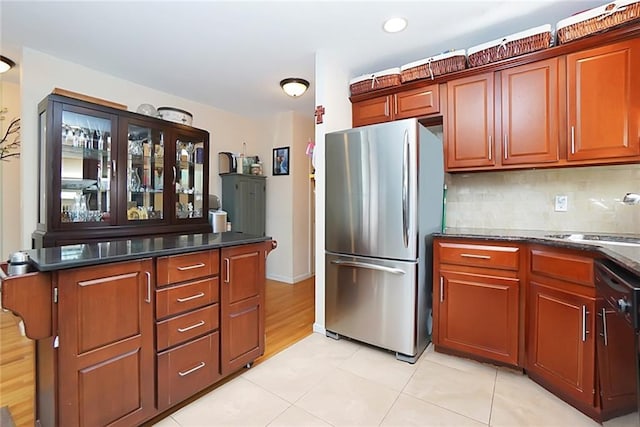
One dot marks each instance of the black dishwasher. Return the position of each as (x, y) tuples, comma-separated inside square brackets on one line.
[(618, 325)]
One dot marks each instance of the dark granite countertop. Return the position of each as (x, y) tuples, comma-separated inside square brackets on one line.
[(61, 257), (626, 255)]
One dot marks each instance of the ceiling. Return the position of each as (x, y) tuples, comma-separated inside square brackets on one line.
[(233, 54)]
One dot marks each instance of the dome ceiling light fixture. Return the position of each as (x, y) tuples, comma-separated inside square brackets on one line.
[(294, 86), (394, 25), (6, 64)]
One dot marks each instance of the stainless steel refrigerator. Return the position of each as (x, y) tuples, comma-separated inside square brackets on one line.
[(384, 187)]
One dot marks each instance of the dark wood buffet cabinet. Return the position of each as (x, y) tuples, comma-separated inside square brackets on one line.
[(569, 105), (107, 173), (533, 307), (119, 343)]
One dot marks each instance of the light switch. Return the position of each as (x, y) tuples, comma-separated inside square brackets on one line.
[(562, 203)]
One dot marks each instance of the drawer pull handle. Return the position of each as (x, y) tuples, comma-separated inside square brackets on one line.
[(195, 368), (196, 296), (188, 328), (475, 256), (191, 267)]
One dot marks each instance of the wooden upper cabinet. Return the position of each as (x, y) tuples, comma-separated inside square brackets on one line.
[(416, 102), (402, 105), (470, 122), (530, 113), (604, 103), (370, 111)]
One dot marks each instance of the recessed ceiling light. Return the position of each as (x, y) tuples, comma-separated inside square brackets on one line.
[(394, 25)]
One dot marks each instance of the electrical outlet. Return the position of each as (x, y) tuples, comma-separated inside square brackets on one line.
[(562, 203)]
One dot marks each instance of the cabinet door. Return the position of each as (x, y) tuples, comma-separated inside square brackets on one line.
[(143, 176), (242, 306), (561, 341), (417, 102), (478, 314), (530, 113), (106, 353), (616, 362), (604, 102), (470, 117), (255, 221), (80, 176), (190, 150), (371, 111)]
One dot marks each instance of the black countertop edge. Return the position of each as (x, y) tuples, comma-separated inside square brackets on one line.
[(625, 256), (88, 254)]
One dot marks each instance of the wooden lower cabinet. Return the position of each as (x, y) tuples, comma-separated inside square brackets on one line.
[(105, 370), (561, 332), (569, 341), (561, 342), (119, 343), (479, 315), (242, 305), (476, 299)]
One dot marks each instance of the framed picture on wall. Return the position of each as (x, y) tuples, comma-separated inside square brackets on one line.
[(281, 161)]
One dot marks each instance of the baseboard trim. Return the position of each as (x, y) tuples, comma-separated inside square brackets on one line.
[(289, 280), (318, 328)]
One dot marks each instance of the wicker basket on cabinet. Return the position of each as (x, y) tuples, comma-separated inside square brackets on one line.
[(597, 19), (375, 81), (513, 45), (444, 63)]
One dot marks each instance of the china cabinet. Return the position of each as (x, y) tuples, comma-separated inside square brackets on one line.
[(107, 173)]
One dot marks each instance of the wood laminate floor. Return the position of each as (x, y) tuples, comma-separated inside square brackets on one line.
[(17, 373)]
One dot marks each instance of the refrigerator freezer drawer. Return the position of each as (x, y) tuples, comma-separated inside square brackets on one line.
[(373, 301)]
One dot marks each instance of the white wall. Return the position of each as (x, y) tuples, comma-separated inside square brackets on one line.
[(10, 213), (332, 91), (41, 73), (289, 197)]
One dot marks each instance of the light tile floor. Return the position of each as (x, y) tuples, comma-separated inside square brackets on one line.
[(322, 382)]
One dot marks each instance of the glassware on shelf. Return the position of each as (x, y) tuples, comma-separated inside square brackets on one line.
[(134, 180)]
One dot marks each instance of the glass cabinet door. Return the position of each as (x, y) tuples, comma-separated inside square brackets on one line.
[(145, 173), (85, 169), (188, 177)]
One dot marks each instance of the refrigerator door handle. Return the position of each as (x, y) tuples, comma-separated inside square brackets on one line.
[(405, 190), (357, 264)]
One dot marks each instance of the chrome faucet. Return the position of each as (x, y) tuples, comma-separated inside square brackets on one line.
[(631, 199)]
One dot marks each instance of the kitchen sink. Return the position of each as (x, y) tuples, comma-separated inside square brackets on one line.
[(598, 238)]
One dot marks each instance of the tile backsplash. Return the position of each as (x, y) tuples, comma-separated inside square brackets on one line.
[(526, 199)]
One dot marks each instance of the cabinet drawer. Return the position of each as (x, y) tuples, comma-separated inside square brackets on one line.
[(187, 369), (179, 329), (563, 266), (179, 268), (490, 256), (181, 298)]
